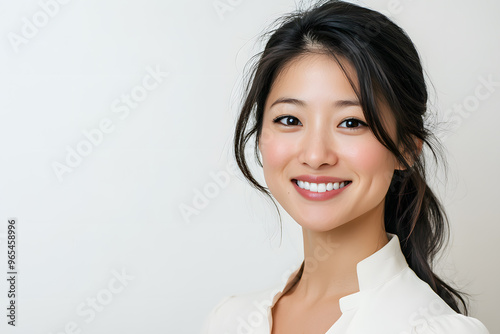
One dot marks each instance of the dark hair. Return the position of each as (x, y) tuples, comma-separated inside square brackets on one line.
[(388, 68)]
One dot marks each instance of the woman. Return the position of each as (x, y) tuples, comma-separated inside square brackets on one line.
[(337, 104)]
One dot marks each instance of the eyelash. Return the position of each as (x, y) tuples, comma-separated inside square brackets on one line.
[(278, 119)]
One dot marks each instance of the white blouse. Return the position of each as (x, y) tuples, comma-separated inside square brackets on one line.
[(392, 300)]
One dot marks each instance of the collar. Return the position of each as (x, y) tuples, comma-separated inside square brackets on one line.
[(390, 257)]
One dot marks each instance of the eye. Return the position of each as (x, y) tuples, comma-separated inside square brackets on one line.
[(289, 120), (353, 123)]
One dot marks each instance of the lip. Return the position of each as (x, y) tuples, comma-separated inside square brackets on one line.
[(318, 179), (315, 196)]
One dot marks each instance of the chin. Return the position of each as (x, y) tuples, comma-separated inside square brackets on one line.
[(318, 225)]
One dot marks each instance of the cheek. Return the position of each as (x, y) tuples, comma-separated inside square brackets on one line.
[(276, 149), (371, 158)]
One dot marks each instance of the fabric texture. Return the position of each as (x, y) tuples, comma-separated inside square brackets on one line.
[(391, 299)]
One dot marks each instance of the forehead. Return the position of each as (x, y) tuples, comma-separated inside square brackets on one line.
[(315, 67), (315, 80)]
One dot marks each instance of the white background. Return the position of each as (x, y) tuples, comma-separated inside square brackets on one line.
[(120, 206)]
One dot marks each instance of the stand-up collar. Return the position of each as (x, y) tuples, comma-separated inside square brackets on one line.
[(372, 272)]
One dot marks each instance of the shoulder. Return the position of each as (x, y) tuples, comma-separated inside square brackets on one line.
[(411, 307), (451, 324), (213, 319), (241, 310)]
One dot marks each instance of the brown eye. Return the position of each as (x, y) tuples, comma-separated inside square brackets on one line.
[(353, 123), (288, 120)]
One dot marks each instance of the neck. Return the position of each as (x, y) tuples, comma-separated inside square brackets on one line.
[(331, 258)]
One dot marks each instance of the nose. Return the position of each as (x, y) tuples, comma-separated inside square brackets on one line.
[(318, 148)]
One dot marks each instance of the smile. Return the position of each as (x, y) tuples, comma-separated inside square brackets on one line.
[(321, 187), (320, 191)]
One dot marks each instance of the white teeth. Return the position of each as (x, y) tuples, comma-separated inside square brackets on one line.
[(321, 187), (313, 187)]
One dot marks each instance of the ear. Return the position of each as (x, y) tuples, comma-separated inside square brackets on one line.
[(408, 158)]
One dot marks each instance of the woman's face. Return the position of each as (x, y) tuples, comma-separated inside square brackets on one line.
[(318, 129)]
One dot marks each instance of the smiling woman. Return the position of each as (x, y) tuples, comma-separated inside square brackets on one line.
[(337, 101)]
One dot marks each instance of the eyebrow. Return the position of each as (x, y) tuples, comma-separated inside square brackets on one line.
[(300, 103)]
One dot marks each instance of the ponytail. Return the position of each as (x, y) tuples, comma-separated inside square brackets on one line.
[(416, 216)]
